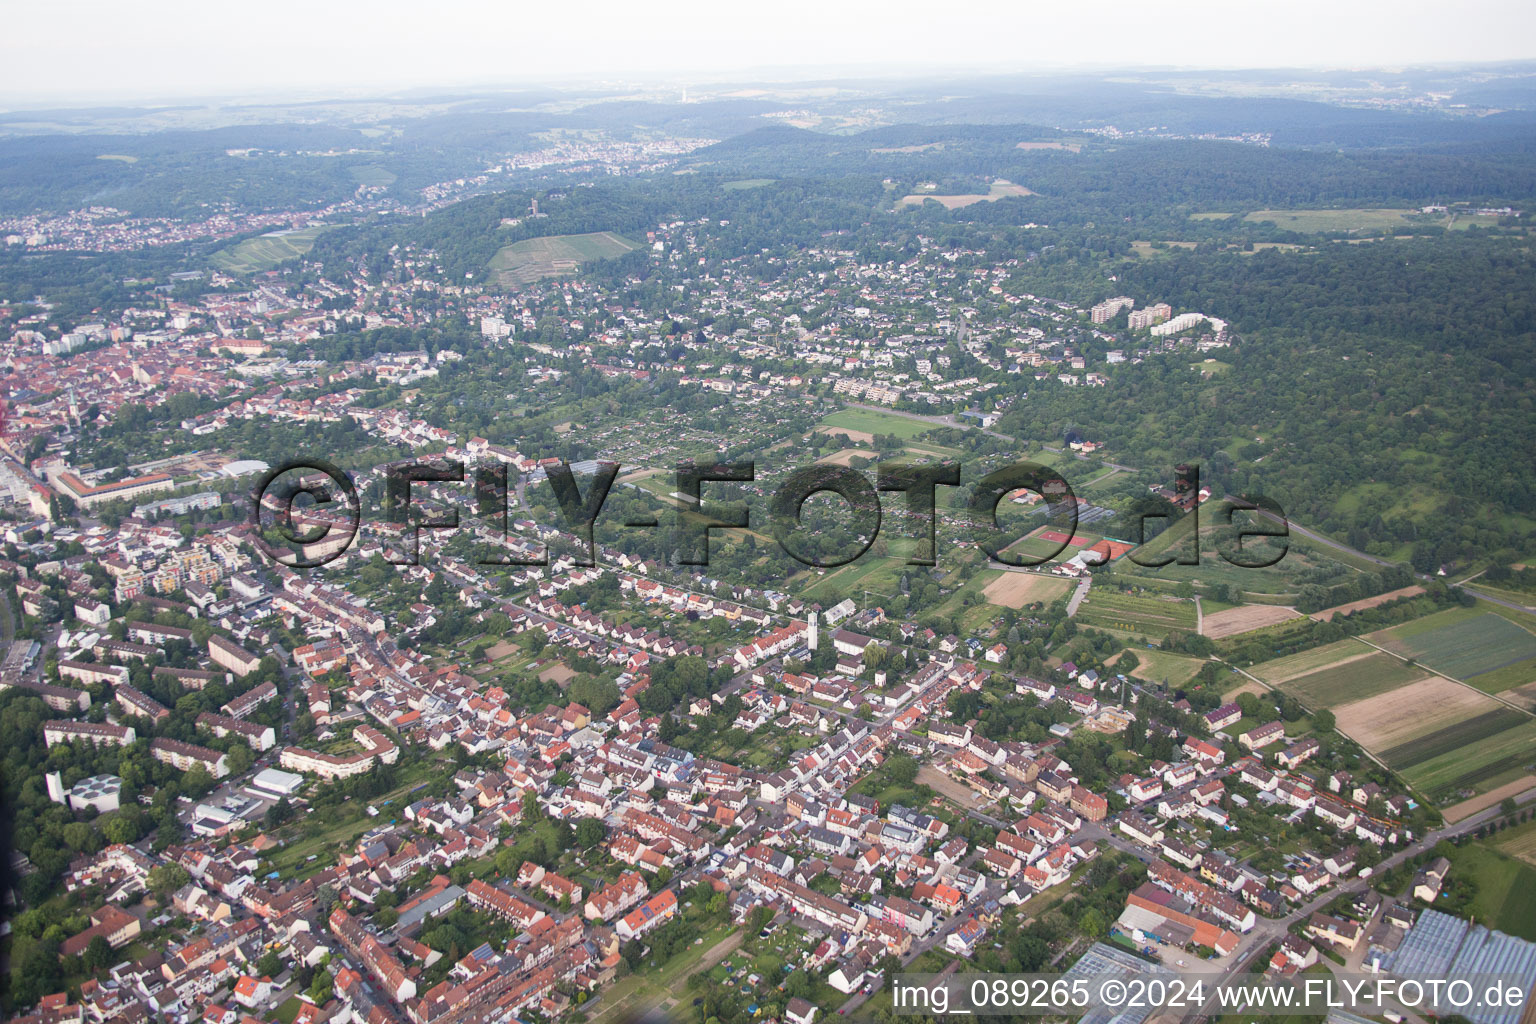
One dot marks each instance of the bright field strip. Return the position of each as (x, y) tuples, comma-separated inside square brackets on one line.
[(1355, 679)]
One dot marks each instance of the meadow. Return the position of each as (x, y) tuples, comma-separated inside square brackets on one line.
[(1294, 665), (255, 255), (1310, 221), (1161, 666), (1506, 888)]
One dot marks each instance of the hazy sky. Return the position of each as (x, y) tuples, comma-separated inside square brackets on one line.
[(97, 51)]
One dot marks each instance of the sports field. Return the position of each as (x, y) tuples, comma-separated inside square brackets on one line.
[(1356, 677), (1050, 545), (869, 421), (534, 258), (264, 252)]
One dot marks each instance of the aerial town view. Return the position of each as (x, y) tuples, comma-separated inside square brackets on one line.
[(784, 538)]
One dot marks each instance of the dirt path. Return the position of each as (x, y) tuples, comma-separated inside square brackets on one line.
[(1077, 598)]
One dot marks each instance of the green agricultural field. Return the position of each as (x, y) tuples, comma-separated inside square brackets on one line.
[(745, 183), (1465, 733), (1443, 776), (1293, 665), (870, 421), (255, 255), (1519, 673), (534, 258), (1354, 680), (1128, 613), (1460, 646)]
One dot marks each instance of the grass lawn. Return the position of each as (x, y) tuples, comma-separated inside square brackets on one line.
[(633, 996), (871, 422), (1506, 888), (1158, 666)]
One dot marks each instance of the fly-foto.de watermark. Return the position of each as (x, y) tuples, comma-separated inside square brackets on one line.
[(334, 532)]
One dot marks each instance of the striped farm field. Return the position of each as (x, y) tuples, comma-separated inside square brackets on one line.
[(529, 260), (1130, 613), (1468, 732), (1291, 666), (1518, 676), (1354, 679), (1459, 645), (1444, 775), (1454, 724)]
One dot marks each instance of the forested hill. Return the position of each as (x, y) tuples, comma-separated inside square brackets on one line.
[(1131, 176), (1379, 391)]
